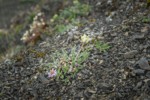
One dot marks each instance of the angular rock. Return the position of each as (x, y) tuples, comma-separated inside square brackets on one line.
[(43, 79), (138, 37), (148, 74), (148, 83), (143, 63), (139, 71), (130, 54), (87, 94), (144, 29), (79, 95), (93, 97), (139, 84), (114, 34), (91, 91), (126, 33)]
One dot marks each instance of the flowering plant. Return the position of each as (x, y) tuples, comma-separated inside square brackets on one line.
[(85, 39), (52, 73)]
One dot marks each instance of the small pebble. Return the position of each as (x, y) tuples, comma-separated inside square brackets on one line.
[(130, 54)]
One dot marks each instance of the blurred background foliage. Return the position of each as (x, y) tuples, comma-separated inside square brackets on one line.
[(61, 15), (17, 15)]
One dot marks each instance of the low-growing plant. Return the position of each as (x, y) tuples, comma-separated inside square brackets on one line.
[(37, 27), (72, 12), (30, 18), (67, 64), (69, 15), (145, 20), (103, 47), (62, 28), (18, 28)]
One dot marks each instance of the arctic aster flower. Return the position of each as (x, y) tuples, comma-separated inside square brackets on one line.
[(52, 73)]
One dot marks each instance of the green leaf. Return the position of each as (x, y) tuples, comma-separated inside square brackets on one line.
[(103, 47)]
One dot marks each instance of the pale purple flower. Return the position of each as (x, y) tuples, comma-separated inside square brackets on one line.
[(52, 73)]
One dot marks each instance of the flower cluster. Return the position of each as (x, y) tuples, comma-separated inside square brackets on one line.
[(85, 39), (35, 30)]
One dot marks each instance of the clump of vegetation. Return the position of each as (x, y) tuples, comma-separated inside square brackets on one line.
[(30, 17), (69, 15), (36, 29), (62, 28), (66, 64), (145, 20), (102, 47), (18, 28)]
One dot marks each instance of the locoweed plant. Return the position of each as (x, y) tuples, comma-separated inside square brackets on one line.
[(65, 65)]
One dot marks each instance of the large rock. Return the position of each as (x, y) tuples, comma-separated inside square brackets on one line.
[(143, 63)]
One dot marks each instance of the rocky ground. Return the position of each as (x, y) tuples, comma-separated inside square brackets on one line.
[(121, 73)]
